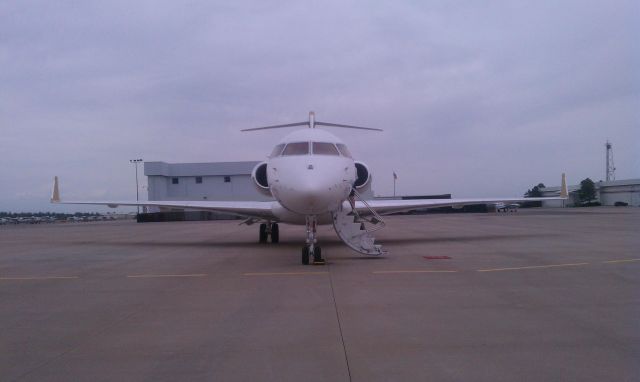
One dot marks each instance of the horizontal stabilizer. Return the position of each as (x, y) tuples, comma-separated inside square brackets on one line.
[(312, 123), (277, 126), (346, 126)]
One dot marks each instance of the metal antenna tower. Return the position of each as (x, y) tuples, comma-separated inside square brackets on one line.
[(611, 168)]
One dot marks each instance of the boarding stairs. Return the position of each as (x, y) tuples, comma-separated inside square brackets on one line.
[(357, 230)]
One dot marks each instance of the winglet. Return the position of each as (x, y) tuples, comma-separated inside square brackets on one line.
[(564, 192), (55, 194)]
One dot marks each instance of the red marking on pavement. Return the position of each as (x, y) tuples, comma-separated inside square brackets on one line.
[(437, 257)]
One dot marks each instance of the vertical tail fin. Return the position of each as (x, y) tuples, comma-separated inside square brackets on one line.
[(564, 192), (55, 194)]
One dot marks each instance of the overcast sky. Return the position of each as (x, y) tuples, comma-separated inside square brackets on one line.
[(477, 98)]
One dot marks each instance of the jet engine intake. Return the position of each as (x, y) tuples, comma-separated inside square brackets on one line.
[(363, 177), (259, 177)]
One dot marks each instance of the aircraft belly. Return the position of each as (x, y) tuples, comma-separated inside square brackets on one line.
[(289, 217)]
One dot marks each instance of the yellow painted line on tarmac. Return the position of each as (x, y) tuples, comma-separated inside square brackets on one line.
[(412, 271), (39, 278), (153, 276), (284, 273), (532, 267), (620, 261)]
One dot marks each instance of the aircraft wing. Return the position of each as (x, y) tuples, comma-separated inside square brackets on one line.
[(392, 206), (261, 210)]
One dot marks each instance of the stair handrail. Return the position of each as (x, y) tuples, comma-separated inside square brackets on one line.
[(376, 226)]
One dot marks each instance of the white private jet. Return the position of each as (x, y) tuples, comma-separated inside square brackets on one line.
[(314, 180)]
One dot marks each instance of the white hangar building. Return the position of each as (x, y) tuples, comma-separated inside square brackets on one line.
[(607, 193), (202, 181)]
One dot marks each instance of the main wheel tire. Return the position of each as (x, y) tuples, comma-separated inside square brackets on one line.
[(305, 255), (263, 233), (317, 254), (275, 233)]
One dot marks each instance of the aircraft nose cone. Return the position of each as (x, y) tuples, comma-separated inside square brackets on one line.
[(311, 186), (311, 194)]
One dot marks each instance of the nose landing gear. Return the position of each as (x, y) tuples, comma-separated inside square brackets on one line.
[(314, 252), (311, 249), (269, 229)]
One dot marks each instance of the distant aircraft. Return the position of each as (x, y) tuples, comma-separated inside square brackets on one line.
[(315, 180)]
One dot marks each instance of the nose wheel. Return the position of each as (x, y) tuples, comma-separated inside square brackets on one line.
[(311, 250), (309, 254), (269, 229)]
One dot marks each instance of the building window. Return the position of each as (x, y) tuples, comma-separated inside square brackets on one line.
[(174, 180), (227, 179), (198, 179)]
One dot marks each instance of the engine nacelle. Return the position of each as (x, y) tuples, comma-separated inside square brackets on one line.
[(363, 178), (259, 177)]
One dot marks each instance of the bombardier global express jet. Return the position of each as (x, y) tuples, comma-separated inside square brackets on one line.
[(314, 180)]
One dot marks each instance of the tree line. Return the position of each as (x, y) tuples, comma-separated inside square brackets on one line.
[(586, 193), (57, 215)]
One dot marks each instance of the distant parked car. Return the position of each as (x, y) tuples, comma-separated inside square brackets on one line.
[(590, 204), (620, 204)]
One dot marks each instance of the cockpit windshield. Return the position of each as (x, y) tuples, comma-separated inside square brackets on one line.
[(344, 150), (324, 148), (296, 148), (277, 150), (304, 148)]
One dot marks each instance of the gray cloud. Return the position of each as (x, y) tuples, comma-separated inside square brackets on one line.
[(476, 98)]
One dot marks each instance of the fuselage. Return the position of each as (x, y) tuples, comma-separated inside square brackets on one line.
[(310, 173)]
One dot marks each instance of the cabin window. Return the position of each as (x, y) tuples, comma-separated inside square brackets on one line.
[(296, 148), (324, 148), (227, 179), (174, 180), (277, 150), (344, 150), (198, 179)]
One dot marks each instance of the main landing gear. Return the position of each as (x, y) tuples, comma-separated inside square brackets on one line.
[(311, 250), (269, 229)]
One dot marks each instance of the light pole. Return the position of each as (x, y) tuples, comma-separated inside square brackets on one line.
[(136, 161), (395, 177)]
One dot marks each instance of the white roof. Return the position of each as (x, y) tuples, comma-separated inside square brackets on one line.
[(199, 169), (621, 182)]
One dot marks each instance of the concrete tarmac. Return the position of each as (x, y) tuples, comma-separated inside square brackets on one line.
[(536, 295)]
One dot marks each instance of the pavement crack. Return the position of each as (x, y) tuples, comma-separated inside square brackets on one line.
[(335, 306)]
